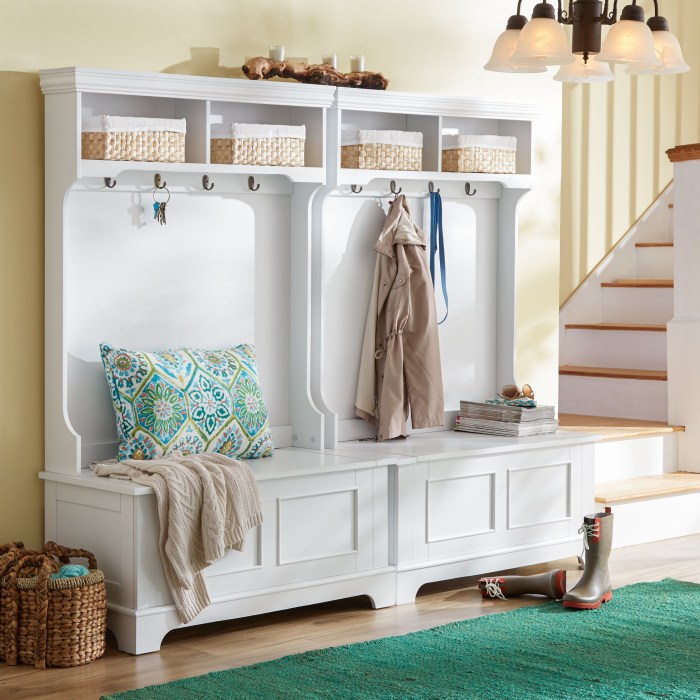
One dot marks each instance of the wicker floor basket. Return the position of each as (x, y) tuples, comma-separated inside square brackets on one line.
[(281, 151), (10, 554), (53, 621), (381, 156)]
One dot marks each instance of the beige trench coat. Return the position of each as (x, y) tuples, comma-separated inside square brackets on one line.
[(400, 363)]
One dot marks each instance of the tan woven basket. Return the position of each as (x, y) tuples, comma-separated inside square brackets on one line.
[(478, 160), (381, 156), (53, 621), (282, 150), (151, 146)]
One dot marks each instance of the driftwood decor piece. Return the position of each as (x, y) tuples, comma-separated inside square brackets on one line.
[(262, 68)]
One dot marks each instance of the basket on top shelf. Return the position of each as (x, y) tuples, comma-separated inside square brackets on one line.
[(258, 144), (47, 620), (373, 149), (133, 138), (465, 153)]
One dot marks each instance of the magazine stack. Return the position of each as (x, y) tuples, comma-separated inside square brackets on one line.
[(506, 419)]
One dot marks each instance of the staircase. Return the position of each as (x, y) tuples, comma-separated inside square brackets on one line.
[(613, 382)]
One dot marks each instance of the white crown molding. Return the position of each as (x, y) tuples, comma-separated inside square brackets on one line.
[(62, 80), (414, 103)]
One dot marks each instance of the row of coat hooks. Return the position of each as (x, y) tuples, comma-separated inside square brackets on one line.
[(161, 184), (431, 188)]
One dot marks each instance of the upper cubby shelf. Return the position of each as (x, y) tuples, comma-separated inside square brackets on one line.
[(204, 103), (210, 105), (434, 117)]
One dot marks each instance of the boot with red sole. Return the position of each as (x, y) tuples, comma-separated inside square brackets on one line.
[(552, 584)]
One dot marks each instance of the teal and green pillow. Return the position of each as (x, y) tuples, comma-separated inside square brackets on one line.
[(187, 401)]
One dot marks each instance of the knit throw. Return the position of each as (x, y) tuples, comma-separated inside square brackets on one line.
[(206, 505)]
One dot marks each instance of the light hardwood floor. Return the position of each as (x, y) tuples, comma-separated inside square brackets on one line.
[(227, 644)]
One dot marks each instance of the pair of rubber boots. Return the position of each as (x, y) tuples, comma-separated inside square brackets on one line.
[(593, 588)]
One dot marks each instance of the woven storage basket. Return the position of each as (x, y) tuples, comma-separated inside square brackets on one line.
[(372, 149), (10, 554), (259, 144), (128, 138), (54, 621), (478, 154)]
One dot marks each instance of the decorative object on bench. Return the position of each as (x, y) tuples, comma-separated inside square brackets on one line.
[(258, 144), (318, 73), (133, 138), (374, 149), (54, 621), (206, 505), (464, 153), (551, 584), (189, 401), (517, 417)]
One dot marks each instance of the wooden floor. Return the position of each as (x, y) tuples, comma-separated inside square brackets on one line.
[(227, 644)]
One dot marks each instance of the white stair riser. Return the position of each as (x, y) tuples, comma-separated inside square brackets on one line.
[(617, 398), (655, 519), (628, 349), (616, 460), (655, 263), (635, 305)]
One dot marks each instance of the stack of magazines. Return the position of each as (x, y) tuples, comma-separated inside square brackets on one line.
[(505, 419)]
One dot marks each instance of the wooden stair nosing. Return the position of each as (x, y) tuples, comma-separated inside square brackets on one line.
[(646, 487), (646, 327), (640, 283), (656, 375), (659, 244)]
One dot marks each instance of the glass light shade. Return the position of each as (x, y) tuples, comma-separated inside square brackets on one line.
[(542, 43), (630, 42), (668, 51), (580, 72), (502, 52)]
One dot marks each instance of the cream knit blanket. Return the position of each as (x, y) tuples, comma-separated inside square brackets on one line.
[(206, 505)]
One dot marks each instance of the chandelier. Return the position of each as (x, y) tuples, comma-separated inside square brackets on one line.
[(529, 47)]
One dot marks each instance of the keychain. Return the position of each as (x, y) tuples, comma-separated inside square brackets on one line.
[(159, 207)]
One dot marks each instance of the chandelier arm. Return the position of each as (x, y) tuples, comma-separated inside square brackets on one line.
[(656, 8), (611, 18), (565, 17)]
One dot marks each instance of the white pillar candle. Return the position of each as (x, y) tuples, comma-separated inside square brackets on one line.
[(276, 52), (331, 59), (357, 63)]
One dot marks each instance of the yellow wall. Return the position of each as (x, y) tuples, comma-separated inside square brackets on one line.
[(614, 144), (436, 47)]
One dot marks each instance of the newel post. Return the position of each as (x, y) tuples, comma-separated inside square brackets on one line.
[(684, 328)]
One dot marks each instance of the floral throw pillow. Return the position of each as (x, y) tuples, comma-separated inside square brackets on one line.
[(189, 401)]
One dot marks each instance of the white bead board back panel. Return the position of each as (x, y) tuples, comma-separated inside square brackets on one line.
[(207, 279), (468, 335)]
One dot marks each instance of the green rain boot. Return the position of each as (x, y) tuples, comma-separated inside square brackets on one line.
[(552, 584), (594, 587)]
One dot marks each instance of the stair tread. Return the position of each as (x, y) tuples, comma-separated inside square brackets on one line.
[(655, 244), (640, 283), (644, 487), (614, 372), (654, 327), (615, 428)]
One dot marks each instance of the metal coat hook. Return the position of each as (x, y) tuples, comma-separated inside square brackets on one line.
[(110, 183), (468, 190), (158, 182), (392, 187), (251, 184), (206, 185), (356, 189), (431, 188)]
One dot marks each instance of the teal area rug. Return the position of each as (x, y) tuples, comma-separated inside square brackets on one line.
[(643, 644)]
